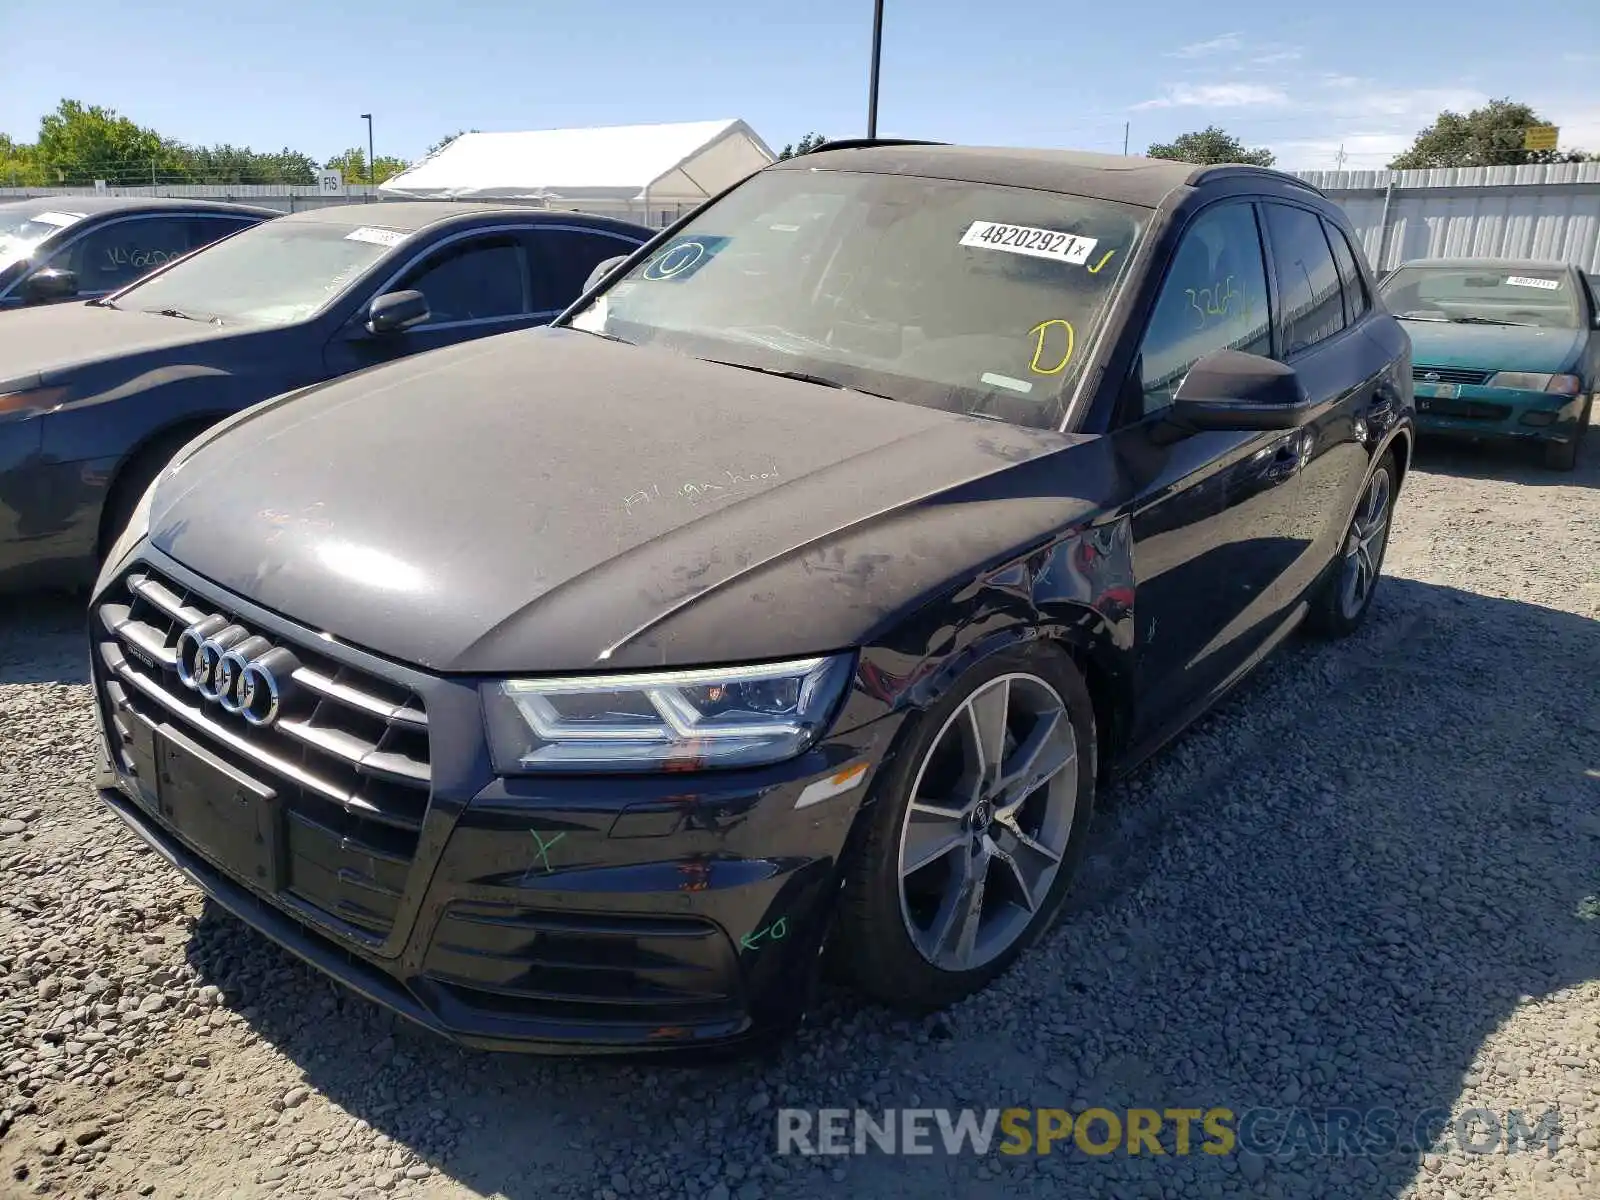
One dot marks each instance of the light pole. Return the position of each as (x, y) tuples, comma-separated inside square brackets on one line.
[(877, 53), (372, 163)]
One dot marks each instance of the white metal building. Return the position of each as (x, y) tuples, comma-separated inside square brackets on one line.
[(645, 173)]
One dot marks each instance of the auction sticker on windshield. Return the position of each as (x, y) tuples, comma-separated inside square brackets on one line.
[(59, 219), (378, 237), (1025, 239), (1548, 285)]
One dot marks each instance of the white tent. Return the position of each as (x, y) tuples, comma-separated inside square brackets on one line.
[(643, 172)]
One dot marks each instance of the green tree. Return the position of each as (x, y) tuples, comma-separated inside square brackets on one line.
[(240, 164), (81, 143), (353, 165), (20, 166), (1490, 136), (1211, 146), (804, 146)]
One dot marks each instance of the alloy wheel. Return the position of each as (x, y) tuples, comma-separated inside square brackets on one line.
[(990, 815), (1363, 551)]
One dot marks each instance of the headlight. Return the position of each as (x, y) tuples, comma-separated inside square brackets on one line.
[(20, 399), (1532, 381), (665, 720)]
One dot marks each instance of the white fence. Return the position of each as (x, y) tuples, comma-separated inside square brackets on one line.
[(293, 198), (1548, 212)]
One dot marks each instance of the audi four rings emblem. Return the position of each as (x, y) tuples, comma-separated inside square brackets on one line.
[(230, 666)]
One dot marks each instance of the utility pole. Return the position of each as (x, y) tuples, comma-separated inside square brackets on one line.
[(1126, 126), (1338, 159), (372, 162), (877, 53)]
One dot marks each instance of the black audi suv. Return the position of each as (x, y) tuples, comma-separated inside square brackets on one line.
[(785, 604)]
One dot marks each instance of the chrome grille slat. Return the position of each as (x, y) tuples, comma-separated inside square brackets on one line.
[(1467, 375), (354, 751), (347, 753), (317, 682), (116, 619), (164, 599)]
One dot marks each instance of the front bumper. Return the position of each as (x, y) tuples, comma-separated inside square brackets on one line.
[(1498, 413), (559, 915)]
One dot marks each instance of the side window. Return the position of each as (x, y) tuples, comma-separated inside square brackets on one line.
[(205, 230), (119, 252), (1309, 304), (1356, 301), (1214, 298), (472, 280), (562, 262)]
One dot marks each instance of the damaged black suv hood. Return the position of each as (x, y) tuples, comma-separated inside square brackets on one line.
[(552, 501)]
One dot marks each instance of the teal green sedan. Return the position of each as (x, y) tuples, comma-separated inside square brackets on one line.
[(1501, 349)]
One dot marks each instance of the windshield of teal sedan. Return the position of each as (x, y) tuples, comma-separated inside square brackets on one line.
[(1484, 296), (274, 273), (24, 226), (972, 298)]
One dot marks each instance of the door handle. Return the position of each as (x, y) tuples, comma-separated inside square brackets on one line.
[(1290, 456)]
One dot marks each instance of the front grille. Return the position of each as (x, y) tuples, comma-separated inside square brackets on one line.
[(1450, 375), (1471, 410), (517, 961), (347, 754)]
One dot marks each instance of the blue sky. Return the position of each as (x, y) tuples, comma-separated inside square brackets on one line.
[(1301, 79)]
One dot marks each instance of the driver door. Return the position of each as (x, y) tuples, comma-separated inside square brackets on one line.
[(1214, 514), (475, 285)]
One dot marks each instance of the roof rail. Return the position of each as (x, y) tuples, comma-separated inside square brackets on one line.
[(1235, 170), (861, 143)]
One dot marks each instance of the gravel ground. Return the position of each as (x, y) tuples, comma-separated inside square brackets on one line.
[(1370, 879)]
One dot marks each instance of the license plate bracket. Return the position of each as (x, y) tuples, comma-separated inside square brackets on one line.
[(231, 819)]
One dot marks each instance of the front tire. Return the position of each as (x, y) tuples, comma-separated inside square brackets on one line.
[(1563, 456), (1344, 597), (133, 479), (975, 834)]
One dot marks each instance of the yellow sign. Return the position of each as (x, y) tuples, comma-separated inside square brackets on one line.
[(1540, 137)]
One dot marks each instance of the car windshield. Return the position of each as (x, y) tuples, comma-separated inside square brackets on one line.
[(968, 297), (24, 226), (274, 273), (1541, 297)]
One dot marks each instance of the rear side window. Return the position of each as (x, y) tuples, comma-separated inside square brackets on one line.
[(473, 280), (1213, 298), (1310, 307), (205, 230), (563, 259), (1356, 301), (120, 251)]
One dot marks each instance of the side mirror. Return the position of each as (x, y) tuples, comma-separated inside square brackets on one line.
[(1228, 389), (601, 271), (49, 284), (395, 311)]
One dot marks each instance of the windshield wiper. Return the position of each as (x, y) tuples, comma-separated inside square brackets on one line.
[(1489, 321), (1415, 317), (172, 312), (102, 304), (802, 376), (610, 337)]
